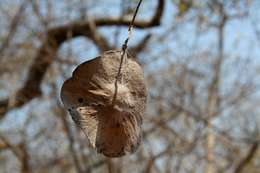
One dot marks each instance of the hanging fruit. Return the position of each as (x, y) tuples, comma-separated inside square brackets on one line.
[(109, 112)]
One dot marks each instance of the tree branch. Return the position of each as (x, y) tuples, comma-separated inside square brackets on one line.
[(249, 156), (13, 27), (54, 38), (140, 46)]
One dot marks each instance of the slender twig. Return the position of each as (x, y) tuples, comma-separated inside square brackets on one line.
[(249, 156), (124, 47), (53, 40), (13, 27)]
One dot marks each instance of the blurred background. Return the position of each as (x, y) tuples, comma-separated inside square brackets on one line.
[(201, 60)]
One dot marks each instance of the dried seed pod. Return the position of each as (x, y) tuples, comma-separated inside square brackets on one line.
[(113, 129)]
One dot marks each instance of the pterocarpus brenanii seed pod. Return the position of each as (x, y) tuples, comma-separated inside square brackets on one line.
[(113, 129)]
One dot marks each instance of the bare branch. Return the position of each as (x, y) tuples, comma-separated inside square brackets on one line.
[(140, 46), (5, 144), (249, 156), (97, 38), (54, 38), (12, 28)]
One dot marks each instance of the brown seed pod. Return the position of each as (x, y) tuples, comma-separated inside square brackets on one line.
[(113, 129)]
